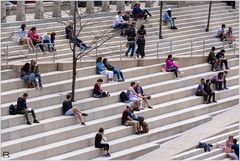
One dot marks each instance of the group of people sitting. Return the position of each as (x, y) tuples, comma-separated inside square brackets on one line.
[(32, 38), (226, 35), (231, 148)]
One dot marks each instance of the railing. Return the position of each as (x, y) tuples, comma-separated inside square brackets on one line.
[(52, 51)]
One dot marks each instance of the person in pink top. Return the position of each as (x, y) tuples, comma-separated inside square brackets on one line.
[(171, 66), (36, 39)]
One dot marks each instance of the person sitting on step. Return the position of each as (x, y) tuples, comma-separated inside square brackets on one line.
[(135, 97), (28, 76), (139, 13), (100, 142), (118, 22), (167, 17), (128, 121), (171, 66), (115, 70), (200, 91), (101, 69), (218, 79), (221, 32), (208, 90), (234, 154), (215, 66), (138, 89), (98, 92), (70, 110), (34, 69), (36, 38), (23, 109), (229, 36), (222, 59)]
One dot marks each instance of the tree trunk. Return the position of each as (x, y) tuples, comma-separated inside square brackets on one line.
[(90, 7), (3, 12), (120, 6), (72, 8), (149, 4), (39, 10), (57, 9), (74, 53), (105, 6), (20, 11), (133, 3)]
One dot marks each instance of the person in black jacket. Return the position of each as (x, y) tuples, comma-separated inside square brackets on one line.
[(69, 35), (70, 110), (115, 70), (23, 109), (208, 90), (99, 142), (222, 59), (27, 75), (131, 35)]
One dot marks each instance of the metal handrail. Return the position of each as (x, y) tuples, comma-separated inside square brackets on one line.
[(37, 45)]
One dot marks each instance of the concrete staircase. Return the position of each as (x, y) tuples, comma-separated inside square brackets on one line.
[(216, 152), (175, 107), (190, 21)]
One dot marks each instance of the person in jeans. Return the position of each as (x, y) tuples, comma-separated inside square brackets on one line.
[(218, 79), (101, 69), (139, 13), (167, 17), (99, 139), (69, 35), (200, 91), (221, 32), (229, 36), (171, 66), (98, 92), (135, 97), (34, 69), (208, 90), (213, 60), (128, 121), (115, 70), (141, 41), (118, 22), (23, 109), (70, 110), (222, 59), (234, 154), (28, 76), (36, 39), (131, 36), (138, 89)]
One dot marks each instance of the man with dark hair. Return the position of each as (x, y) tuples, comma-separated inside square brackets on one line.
[(98, 142), (97, 90), (213, 60), (118, 22), (131, 36), (70, 110), (221, 32), (201, 92), (222, 59), (235, 150), (23, 109), (208, 90)]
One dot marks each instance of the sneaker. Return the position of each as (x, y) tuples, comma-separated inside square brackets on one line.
[(108, 155), (83, 123), (172, 28), (150, 107), (226, 88), (36, 121), (209, 102), (137, 133), (84, 114), (175, 27), (214, 101), (228, 68), (29, 123)]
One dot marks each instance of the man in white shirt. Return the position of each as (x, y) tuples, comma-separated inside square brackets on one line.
[(221, 32), (118, 22)]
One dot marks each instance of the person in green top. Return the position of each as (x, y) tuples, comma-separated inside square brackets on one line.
[(213, 60)]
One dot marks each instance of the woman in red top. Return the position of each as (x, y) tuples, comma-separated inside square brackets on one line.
[(36, 39), (98, 92)]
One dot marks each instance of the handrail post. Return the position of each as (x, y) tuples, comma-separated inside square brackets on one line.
[(157, 48), (170, 50), (36, 52), (204, 43), (53, 56), (7, 54), (234, 47), (96, 50), (191, 48), (223, 44)]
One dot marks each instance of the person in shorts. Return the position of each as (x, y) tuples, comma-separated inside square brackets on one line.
[(70, 110)]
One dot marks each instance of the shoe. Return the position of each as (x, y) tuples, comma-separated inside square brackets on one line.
[(108, 155), (214, 101), (84, 114), (141, 132), (226, 88), (137, 133), (36, 121), (209, 102), (120, 80), (29, 123), (172, 28), (150, 107), (105, 155), (83, 123), (175, 28), (228, 68), (126, 54)]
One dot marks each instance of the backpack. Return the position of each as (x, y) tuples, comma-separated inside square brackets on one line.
[(12, 109), (123, 97), (145, 127)]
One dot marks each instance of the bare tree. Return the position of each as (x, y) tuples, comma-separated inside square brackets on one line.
[(82, 20)]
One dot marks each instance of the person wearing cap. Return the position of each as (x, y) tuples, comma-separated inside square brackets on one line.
[(23, 109), (128, 121), (167, 17), (222, 59), (138, 89)]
